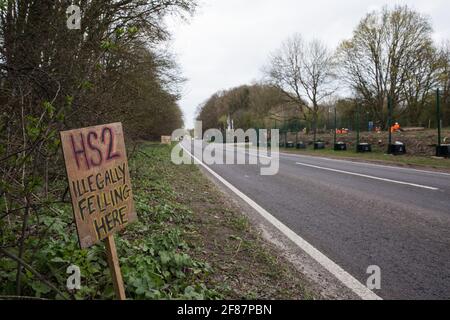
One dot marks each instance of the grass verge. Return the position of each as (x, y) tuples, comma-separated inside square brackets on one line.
[(243, 265), (188, 244)]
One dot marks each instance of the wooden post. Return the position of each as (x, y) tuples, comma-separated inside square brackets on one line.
[(438, 115), (390, 125), (114, 266), (358, 127), (335, 126)]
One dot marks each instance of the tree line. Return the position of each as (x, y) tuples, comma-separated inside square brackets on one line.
[(54, 78), (391, 55)]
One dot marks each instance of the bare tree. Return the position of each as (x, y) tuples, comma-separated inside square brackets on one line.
[(305, 73), (390, 54), (421, 79)]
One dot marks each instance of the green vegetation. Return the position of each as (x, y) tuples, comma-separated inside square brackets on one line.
[(153, 255), (53, 79), (181, 248)]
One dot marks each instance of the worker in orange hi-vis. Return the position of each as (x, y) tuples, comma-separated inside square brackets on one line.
[(396, 127)]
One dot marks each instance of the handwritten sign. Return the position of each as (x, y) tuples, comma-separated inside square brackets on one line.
[(99, 181)]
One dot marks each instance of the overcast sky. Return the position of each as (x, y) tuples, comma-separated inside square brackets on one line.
[(227, 42)]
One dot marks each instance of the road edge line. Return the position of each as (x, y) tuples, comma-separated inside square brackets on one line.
[(343, 276)]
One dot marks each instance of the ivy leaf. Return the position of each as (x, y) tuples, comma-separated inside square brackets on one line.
[(165, 257)]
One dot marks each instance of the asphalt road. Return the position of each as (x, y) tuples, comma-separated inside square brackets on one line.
[(359, 215)]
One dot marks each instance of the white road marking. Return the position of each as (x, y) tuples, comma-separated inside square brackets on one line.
[(366, 164), (347, 279), (393, 167), (348, 172), (369, 177), (260, 155), (250, 154)]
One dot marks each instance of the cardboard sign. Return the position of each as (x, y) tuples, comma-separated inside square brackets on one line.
[(166, 140), (99, 181)]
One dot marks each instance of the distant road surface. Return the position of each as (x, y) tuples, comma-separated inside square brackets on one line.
[(360, 215)]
